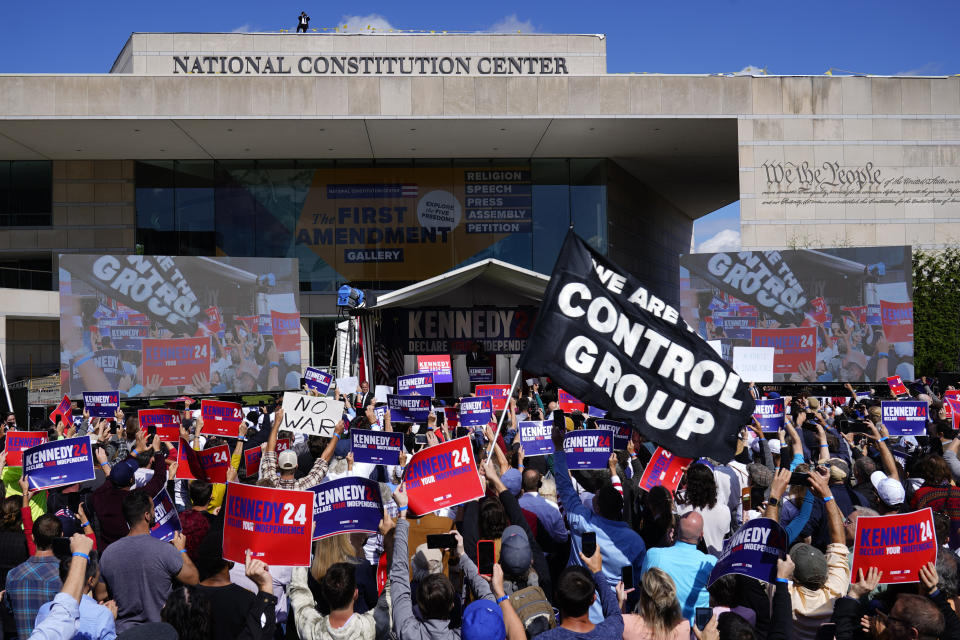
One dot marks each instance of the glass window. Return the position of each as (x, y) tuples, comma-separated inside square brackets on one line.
[(194, 208), (588, 201), (26, 193), (551, 211), (155, 194)]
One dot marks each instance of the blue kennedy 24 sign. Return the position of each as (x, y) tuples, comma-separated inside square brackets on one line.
[(59, 463)]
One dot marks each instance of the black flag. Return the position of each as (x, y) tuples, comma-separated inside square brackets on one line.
[(602, 336), (762, 278)]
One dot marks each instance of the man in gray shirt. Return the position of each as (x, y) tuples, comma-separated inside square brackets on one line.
[(139, 569)]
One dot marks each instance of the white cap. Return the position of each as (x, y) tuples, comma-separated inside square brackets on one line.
[(891, 492), (775, 446), (287, 460)]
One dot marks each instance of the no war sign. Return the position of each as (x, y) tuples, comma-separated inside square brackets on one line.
[(769, 413), (443, 475), (346, 504), (59, 463), (905, 417), (311, 415), (376, 447), (588, 448), (898, 545), (275, 524)]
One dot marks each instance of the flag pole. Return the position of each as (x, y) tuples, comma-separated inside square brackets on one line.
[(503, 414)]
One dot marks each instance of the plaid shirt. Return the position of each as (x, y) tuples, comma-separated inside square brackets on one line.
[(268, 471), (30, 586)]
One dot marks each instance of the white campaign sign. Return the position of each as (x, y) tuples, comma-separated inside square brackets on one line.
[(381, 392), (754, 364), (348, 385), (310, 415)]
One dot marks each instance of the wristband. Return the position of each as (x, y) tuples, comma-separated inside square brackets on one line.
[(183, 550), (104, 464), (403, 508), (935, 592), (336, 435), (502, 598), (827, 499), (883, 355), (883, 439), (275, 364), (82, 555), (85, 525), (825, 445), (783, 580), (520, 467)]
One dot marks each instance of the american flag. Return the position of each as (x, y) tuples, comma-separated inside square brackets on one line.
[(409, 190), (389, 362)]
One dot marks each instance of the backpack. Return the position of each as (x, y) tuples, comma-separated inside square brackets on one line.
[(535, 611)]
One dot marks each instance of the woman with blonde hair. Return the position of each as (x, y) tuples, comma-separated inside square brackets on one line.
[(343, 547), (658, 615)]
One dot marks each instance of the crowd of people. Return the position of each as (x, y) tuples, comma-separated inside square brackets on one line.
[(578, 554)]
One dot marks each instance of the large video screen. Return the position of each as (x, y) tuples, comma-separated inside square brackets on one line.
[(831, 315), (165, 326)]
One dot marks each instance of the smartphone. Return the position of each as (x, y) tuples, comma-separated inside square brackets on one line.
[(73, 501), (589, 543), (626, 576), (485, 557), (702, 617), (462, 432), (61, 547), (799, 479), (442, 541), (420, 439)]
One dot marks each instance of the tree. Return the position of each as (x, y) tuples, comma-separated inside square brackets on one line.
[(936, 310)]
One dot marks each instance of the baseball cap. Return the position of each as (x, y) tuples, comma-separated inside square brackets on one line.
[(890, 491), (811, 566), (775, 445), (287, 460), (515, 555), (482, 620), (122, 472)]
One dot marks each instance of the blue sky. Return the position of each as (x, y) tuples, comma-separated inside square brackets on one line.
[(697, 36)]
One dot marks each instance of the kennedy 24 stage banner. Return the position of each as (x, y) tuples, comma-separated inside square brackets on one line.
[(753, 551), (898, 545), (101, 404), (317, 380), (769, 413), (408, 408), (376, 447), (536, 437), (20, 441), (439, 366), (476, 411), (443, 475), (176, 360), (167, 521), (605, 338), (59, 463), (275, 524), (588, 448), (221, 418), (905, 417), (664, 469), (416, 384), (346, 505), (498, 394), (791, 347)]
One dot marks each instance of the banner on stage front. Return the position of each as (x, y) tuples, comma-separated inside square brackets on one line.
[(439, 366), (275, 524)]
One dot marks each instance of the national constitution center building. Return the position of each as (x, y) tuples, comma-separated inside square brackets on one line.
[(386, 160)]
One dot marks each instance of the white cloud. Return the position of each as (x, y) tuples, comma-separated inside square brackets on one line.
[(928, 69), (512, 24), (360, 24), (244, 28), (726, 240)]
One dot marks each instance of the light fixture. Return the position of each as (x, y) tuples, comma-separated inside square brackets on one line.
[(347, 296)]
